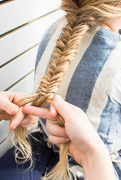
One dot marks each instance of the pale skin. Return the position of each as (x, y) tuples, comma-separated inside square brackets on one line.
[(84, 143), (10, 111), (113, 24)]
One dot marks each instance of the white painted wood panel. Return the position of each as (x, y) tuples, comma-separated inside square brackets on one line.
[(24, 38), (4, 147), (19, 12), (17, 69), (4, 130), (25, 85)]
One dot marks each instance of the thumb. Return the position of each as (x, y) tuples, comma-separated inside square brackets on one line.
[(62, 107), (9, 107)]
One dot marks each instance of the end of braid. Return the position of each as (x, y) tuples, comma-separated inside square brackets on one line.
[(61, 170), (23, 151)]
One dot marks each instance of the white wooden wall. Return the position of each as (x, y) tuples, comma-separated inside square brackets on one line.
[(22, 25)]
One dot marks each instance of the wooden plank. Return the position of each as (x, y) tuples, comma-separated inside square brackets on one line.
[(4, 147), (17, 69), (25, 85), (19, 12), (4, 130), (26, 37)]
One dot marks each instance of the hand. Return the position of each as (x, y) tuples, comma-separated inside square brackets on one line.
[(85, 145), (78, 129), (10, 111), (83, 137)]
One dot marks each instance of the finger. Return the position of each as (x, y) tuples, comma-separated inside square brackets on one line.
[(17, 119), (62, 107), (8, 107), (58, 140), (36, 111), (53, 112), (56, 130), (29, 121)]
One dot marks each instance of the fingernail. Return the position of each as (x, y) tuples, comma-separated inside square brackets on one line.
[(12, 127), (57, 97)]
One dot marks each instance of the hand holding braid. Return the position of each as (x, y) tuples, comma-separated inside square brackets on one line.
[(81, 15)]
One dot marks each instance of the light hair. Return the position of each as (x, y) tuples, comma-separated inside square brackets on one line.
[(81, 16)]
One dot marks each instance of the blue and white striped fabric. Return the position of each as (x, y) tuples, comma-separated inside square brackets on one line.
[(88, 84)]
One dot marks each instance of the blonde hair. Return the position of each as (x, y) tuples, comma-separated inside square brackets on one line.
[(81, 16)]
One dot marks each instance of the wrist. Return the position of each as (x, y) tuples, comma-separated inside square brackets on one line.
[(94, 154), (97, 163), (94, 150)]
